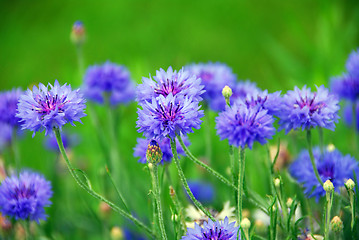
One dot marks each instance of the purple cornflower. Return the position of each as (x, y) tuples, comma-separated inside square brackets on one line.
[(242, 88), (46, 109), (202, 191), (332, 165), (352, 64), (165, 146), (110, 81), (180, 83), (25, 196), (243, 125), (220, 230), (214, 76), (346, 87), (69, 141), (168, 116), (8, 107), (304, 109), (267, 101)]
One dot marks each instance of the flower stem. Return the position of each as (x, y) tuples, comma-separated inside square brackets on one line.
[(251, 195), (329, 198), (312, 160), (89, 190), (240, 183), (184, 181), (156, 193)]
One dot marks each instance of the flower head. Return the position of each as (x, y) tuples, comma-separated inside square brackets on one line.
[(214, 76), (45, 109), (165, 145), (110, 81), (243, 125), (352, 64), (304, 109), (331, 166), (8, 107), (25, 196), (242, 88), (348, 115), (174, 83), (220, 230), (168, 116), (263, 99), (345, 87)]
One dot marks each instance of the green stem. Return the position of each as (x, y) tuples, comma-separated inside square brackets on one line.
[(268, 164), (329, 198), (15, 149), (251, 194), (156, 193), (240, 183), (89, 190), (312, 160), (184, 181), (117, 190), (208, 139)]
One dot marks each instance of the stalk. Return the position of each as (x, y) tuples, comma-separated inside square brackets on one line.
[(315, 169)]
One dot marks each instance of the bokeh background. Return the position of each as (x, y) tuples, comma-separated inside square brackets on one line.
[(277, 44)]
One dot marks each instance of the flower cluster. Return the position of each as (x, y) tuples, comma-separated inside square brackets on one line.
[(304, 109), (242, 125), (173, 107), (25, 196), (165, 146), (213, 230), (214, 76), (109, 82), (45, 109), (332, 165)]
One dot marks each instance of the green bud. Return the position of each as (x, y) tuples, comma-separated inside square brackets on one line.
[(245, 224), (350, 184), (336, 224), (277, 182), (154, 153), (328, 186), (226, 92)]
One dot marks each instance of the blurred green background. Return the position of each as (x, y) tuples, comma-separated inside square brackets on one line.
[(278, 44)]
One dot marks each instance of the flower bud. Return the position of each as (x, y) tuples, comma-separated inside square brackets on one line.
[(350, 184), (245, 223), (116, 233), (289, 202), (336, 224), (226, 92), (78, 34), (277, 182), (328, 186), (174, 217), (154, 153), (330, 147)]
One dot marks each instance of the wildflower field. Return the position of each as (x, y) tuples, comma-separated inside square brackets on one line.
[(203, 120)]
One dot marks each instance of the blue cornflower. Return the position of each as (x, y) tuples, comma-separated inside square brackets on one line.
[(267, 101), (304, 109), (214, 76), (25, 196), (202, 191), (168, 116), (165, 146), (45, 109), (346, 87), (220, 230), (242, 88), (180, 83), (8, 107), (332, 165), (352, 64), (243, 125), (69, 141), (110, 81)]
